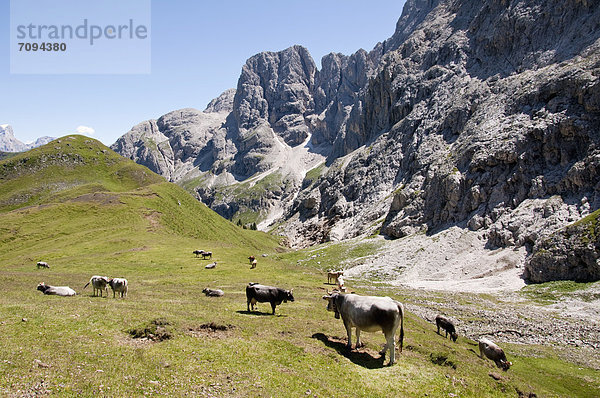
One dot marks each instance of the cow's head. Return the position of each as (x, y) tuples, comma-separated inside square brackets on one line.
[(330, 297), (454, 336), (41, 287), (505, 365), (289, 296)]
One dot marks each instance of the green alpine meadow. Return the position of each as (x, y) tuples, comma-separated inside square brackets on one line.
[(86, 211)]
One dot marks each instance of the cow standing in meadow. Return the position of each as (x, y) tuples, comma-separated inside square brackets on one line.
[(493, 352), (118, 285), (99, 283), (256, 292), (369, 314), (447, 325)]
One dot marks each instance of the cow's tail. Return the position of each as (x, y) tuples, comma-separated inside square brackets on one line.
[(401, 309), (86, 285)]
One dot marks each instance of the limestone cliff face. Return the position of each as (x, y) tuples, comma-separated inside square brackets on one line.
[(481, 114), (572, 253)]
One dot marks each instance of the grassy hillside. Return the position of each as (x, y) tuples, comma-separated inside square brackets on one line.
[(87, 211)]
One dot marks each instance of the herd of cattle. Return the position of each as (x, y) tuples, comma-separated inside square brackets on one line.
[(362, 313), (99, 283)]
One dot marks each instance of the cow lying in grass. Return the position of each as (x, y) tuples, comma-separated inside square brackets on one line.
[(118, 285), (493, 352), (56, 290), (447, 325), (212, 292), (99, 283)]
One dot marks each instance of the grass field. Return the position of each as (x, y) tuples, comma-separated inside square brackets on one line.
[(146, 231)]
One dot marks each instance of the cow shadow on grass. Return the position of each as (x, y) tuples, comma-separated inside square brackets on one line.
[(361, 358), (258, 313)]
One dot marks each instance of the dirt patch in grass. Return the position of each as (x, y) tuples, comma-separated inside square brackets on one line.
[(211, 330), (157, 330), (153, 218), (442, 359)]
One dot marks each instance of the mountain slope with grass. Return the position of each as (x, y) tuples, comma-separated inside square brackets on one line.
[(82, 179)]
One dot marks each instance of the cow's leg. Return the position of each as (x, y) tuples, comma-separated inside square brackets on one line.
[(349, 333), (273, 305), (391, 346), (358, 342)]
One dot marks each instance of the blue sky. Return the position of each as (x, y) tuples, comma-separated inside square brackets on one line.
[(198, 49)]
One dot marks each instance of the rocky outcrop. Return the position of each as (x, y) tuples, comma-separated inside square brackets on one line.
[(8, 142), (478, 114), (573, 253)]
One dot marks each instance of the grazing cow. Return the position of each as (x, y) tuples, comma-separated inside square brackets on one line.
[(211, 265), (260, 293), (213, 292), (206, 255), (447, 325), (118, 285), (493, 352), (99, 283), (333, 275), (56, 290), (42, 264), (254, 262), (198, 252), (369, 314)]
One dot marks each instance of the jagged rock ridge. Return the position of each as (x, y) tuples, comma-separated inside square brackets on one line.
[(9, 143), (480, 114)]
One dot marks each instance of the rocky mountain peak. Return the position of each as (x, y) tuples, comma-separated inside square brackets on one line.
[(478, 115), (223, 103), (9, 143)]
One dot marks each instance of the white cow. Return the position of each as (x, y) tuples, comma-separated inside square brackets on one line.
[(56, 290), (99, 283), (369, 314), (118, 285)]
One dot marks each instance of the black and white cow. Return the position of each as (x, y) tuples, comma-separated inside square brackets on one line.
[(99, 283), (42, 264), (118, 285), (369, 314), (256, 292), (447, 325), (56, 290)]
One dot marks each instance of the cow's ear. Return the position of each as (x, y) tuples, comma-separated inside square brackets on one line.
[(292, 291)]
